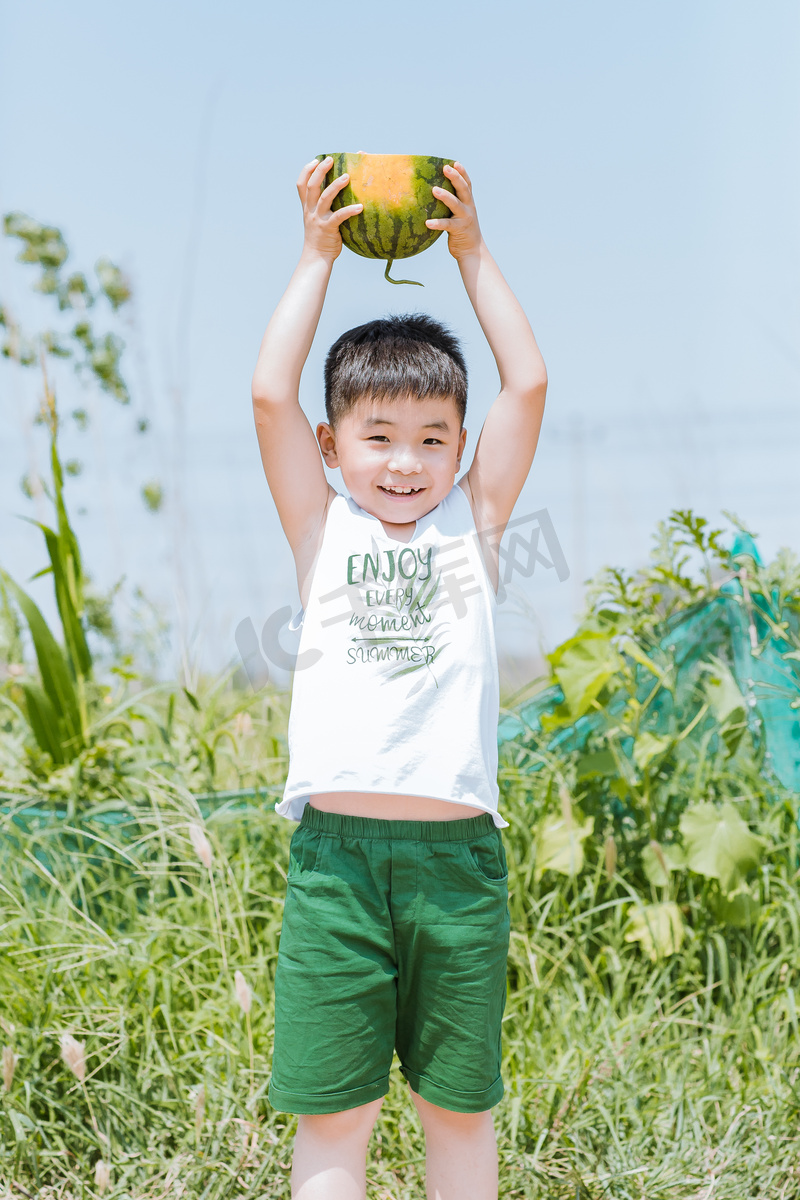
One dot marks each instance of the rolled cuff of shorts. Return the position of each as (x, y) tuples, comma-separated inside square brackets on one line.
[(445, 1097), (304, 1104)]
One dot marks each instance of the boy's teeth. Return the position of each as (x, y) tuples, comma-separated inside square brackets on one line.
[(399, 490)]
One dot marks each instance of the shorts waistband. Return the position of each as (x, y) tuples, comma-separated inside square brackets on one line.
[(459, 830)]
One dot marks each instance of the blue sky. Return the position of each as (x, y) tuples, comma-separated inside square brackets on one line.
[(636, 172)]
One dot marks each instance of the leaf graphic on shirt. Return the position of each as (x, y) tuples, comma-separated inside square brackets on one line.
[(417, 665), (426, 593), (429, 631)]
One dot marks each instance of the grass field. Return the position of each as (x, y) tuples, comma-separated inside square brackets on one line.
[(625, 1076)]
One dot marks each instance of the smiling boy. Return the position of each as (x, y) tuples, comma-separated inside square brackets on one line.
[(395, 929)]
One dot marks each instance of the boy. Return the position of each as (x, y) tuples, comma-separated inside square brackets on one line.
[(395, 929)]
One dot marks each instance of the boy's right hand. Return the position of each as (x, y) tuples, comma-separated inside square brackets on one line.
[(322, 234)]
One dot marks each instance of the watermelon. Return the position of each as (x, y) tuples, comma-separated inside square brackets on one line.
[(395, 190)]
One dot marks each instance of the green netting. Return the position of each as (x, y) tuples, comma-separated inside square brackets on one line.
[(719, 627), (723, 627)]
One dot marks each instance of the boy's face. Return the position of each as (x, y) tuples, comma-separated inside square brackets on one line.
[(398, 458)]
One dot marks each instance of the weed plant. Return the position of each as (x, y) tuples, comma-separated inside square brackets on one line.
[(625, 1076)]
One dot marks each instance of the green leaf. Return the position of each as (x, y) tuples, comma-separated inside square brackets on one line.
[(655, 865), (647, 747), (65, 579), (113, 283), (739, 908), (658, 928), (719, 844), (560, 716), (583, 665), (722, 692), (600, 763), (21, 1124), (726, 702), (44, 723), (660, 861), (632, 648), (56, 679), (560, 845)]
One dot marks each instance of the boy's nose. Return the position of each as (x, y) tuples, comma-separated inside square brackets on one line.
[(404, 461)]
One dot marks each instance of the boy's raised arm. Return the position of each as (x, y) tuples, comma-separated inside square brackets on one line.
[(507, 443), (289, 450)]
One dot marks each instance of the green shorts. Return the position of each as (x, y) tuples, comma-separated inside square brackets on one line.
[(395, 937)]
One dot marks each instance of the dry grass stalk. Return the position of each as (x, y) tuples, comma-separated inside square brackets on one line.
[(611, 856), (201, 844), (566, 804), (659, 853), (9, 1063), (102, 1175), (243, 724), (243, 993), (199, 1110), (245, 997), (73, 1054)]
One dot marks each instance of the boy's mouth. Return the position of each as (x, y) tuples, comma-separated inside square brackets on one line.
[(401, 493)]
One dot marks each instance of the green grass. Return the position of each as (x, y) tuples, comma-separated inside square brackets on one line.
[(624, 1077)]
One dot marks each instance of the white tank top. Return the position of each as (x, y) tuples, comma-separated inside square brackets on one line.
[(396, 683)]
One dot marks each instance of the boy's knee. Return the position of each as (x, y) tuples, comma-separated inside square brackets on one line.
[(457, 1123), (350, 1123)]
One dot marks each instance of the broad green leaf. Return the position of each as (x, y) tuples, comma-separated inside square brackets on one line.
[(726, 702), (655, 864), (647, 747), (560, 845), (44, 722), (63, 568), (722, 692), (56, 679), (675, 856), (660, 861), (632, 648), (601, 763), (560, 716), (21, 1124), (740, 907), (658, 928), (583, 665), (719, 844)]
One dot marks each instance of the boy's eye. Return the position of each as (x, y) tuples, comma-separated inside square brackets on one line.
[(381, 437)]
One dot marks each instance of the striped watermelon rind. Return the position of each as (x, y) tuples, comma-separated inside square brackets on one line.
[(395, 190)]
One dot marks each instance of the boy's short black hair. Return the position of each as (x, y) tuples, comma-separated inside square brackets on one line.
[(394, 357)]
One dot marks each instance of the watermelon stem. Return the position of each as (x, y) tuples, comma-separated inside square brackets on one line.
[(386, 275)]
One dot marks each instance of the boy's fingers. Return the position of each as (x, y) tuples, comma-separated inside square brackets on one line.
[(306, 173), (460, 168), (452, 202), (317, 177), (462, 185), (439, 223), (352, 210), (333, 189)]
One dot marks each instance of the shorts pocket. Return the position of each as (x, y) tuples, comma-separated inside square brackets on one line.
[(304, 850), (487, 858)]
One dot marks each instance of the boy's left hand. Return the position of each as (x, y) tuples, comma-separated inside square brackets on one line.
[(463, 231)]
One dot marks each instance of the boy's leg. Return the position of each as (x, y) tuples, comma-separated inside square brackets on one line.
[(335, 980), (330, 1152), (460, 1153), (452, 907)]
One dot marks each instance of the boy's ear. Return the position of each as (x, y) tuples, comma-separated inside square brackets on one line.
[(327, 444), (462, 441)]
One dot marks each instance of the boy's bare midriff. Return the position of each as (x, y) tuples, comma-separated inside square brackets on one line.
[(391, 807)]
